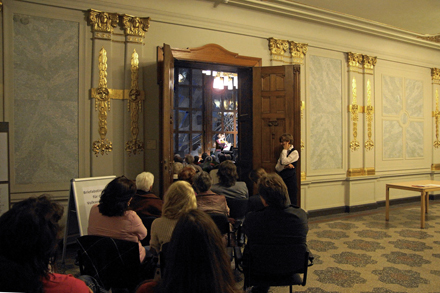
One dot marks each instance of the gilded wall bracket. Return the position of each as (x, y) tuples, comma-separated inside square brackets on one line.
[(135, 146), (354, 144), (102, 104)]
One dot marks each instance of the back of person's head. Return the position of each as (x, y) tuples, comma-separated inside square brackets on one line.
[(178, 158), (286, 137), (221, 158), (256, 174), (189, 159), (227, 173), (204, 155), (197, 261), (273, 190), (177, 167), (144, 181), (187, 174), (196, 159), (28, 243), (179, 199), (115, 197), (202, 181)]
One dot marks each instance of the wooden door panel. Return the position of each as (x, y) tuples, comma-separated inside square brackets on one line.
[(276, 102)]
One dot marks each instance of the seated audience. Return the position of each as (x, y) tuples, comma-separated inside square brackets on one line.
[(112, 218), (207, 200), (197, 261), (187, 174), (144, 202), (179, 199), (228, 184), (196, 160), (278, 222), (189, 162), (207, 164), (255, 202), (178, 158), (28, 249)]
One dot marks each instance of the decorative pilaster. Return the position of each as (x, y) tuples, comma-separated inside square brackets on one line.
[(354, 61), (435, 74), (277, 49), (298, 51), (436, 117), (103, 23), (354, 110), (369, 110), (369, 62)]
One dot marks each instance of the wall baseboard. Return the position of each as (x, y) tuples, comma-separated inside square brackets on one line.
[(367, 207)]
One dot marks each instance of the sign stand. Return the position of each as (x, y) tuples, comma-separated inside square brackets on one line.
[(84, 193)]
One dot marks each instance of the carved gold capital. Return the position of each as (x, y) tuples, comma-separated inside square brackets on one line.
[(354, 61), (369, 63), (278, 48), (135, 26), (103, 21), (435, 75), (298, 51)]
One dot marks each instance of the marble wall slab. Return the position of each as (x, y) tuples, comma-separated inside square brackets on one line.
[(45, 78), (325, 96)]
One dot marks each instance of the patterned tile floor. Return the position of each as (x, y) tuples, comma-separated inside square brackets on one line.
[(361, 252)]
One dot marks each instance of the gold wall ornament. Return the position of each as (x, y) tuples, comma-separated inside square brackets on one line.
[(435, 167), (303, 107), (354, 144), (298, 52), (353, 172), (369, 110), (369, 63), (354, 61), (278, 48), (435, 75), (103, 21), (436, 115), (134, 145), (135, 26), (102, 104)]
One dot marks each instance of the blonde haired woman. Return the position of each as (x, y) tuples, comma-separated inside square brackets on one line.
[(178, 200)]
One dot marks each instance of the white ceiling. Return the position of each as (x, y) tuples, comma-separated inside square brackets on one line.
[(418, 16)]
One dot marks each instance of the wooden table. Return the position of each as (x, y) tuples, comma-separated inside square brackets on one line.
[(422, 186)]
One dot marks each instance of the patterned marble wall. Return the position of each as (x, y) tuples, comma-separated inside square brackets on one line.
[(45, 81), (403, 123), (325, 110)]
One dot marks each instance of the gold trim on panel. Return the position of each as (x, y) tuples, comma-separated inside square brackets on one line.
[(435, 74), (303, 107), (436, 115), (353, 172), (435, 167), (134, 145), (303, 176), (369, 144), (354, 144), (277, 49), (102, 103), (103, 21)]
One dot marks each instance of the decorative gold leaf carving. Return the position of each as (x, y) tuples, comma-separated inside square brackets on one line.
[(135, 26), (354, 144), (369, 144), (134, 145), (354, 61), (103, 21), (436, 115), (278, 48), (298, 51), (102, 104), (435, 74), (435, 39)]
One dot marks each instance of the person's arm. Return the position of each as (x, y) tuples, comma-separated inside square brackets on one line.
[(286, 160), (138, 227), (154, 240)]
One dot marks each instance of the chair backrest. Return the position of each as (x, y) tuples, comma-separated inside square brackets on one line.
[(147, 221), (238, 207), (114, 263), (222, 222), (266, 259)]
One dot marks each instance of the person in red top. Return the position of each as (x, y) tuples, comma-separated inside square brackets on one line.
[(28, 246)]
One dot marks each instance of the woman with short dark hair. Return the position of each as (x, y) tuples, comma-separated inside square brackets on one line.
[(228, 184)]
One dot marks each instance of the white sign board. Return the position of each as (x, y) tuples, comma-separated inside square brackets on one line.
[(86, 193)]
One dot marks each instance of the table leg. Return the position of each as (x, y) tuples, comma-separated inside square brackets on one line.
[(426, 202), (387, 205), (423, 202)]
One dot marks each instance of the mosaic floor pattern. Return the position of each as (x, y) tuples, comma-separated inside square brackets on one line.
[(361, 252)]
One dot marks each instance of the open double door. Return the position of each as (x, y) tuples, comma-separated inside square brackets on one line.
[(269, 105)]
